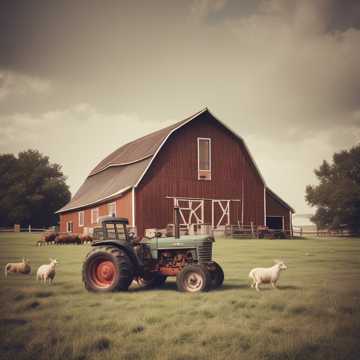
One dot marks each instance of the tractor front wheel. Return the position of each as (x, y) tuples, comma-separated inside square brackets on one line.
[(107, 268), (193, 278)]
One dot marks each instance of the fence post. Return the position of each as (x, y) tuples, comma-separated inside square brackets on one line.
[(16, 227), (29, 228)]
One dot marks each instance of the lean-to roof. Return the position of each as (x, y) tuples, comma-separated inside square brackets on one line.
[(279, 199)]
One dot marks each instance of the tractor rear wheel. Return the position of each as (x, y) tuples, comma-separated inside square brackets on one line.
[(193, 278), (216, 274), (107, 268)]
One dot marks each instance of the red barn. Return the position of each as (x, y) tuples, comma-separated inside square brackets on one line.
[(198, 163)]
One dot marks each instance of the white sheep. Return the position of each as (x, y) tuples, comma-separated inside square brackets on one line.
[(20, 267), (47, 272), (267, 275)]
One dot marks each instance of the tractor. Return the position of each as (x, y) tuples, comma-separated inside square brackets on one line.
[(118, 258)]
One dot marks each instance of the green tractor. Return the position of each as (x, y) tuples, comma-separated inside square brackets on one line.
[(118, 258)]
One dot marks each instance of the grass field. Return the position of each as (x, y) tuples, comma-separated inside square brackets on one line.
[(314, 315)]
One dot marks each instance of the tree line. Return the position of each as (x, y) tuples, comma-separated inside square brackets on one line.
[(337, 196), (31, 190)]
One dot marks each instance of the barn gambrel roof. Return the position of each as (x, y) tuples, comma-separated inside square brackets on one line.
[(124, 168)]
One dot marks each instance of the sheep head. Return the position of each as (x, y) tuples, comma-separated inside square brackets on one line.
[(53, 261), (281, 264)]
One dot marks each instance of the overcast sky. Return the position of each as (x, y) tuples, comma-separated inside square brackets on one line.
[(79, 78)]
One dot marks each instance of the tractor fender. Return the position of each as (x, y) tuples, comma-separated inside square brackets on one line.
[(128, 249)]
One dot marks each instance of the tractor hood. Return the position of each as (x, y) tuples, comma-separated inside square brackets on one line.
[(185, 241), (198, 242)]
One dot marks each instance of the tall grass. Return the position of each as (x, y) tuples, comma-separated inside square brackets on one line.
[(314, 315)]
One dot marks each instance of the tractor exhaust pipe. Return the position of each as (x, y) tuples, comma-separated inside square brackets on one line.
[(176, 222)]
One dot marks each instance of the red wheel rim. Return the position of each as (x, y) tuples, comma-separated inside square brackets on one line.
[(103, 273)]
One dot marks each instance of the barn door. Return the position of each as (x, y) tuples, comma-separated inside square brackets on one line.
[(220, 213), (191, 211)]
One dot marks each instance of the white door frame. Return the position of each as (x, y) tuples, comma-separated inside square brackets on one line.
[(225, 212), (199, 204)]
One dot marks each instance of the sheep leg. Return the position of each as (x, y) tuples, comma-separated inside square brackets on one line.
[(257, 286), (273, 284)]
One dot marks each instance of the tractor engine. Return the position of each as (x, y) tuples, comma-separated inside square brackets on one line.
[(171, 261)]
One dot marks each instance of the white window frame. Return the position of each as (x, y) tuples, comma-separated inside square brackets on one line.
[(198, 155), (93, 219), (81, 216), (114, 212), (67, 226)]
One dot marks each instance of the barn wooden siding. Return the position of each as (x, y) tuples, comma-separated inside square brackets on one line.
[(275, 208), (174, 173), (123, 209)]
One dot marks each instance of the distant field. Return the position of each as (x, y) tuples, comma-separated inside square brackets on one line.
[(314, 315)]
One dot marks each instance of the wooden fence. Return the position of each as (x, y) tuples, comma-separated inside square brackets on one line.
[(16, 228), (299, 231)]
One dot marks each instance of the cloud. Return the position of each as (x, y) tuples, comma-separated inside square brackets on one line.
[(15, 84), (200, 9), (77, 137), (289, 73)]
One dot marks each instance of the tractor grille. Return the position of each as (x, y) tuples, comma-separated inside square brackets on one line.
[(205, 252)]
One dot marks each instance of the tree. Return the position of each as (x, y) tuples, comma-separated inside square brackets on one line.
[(337, 197), (31, 189)]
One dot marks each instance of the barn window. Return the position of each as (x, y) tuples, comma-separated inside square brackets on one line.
[(204, 159), (95, 216), (112, 209), (69, 226), (81, 218)]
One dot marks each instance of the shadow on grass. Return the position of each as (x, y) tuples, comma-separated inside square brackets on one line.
[(168, 286), (289, 287), (171, 286), (229, 286), (279, 288)]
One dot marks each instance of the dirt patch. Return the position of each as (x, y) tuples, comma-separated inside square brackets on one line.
[(137, 329), (32, 305), (7, 322), (43, 294), (20, 297), (101, 344)]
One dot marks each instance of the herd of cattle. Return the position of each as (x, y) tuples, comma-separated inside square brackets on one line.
[(60, 239)]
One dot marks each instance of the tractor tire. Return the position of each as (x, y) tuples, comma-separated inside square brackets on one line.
[(193, 278), (152, 281), (216, 274), (106, 269)]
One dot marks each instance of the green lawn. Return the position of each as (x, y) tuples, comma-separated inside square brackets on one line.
[(314, 315)]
